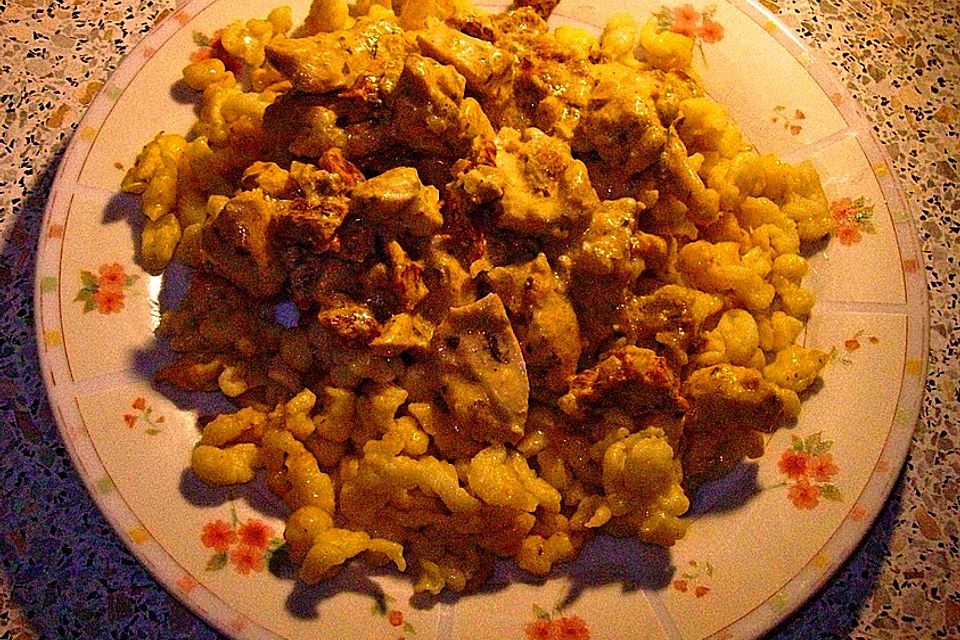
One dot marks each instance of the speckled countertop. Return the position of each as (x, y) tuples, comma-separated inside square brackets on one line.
[(898, 59)]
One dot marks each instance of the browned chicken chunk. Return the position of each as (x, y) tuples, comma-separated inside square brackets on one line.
[(403, 332), (635, 380), (396, 200), (481, 373), (671, 317), (613, 249), (351, 324), (622, 125), (545, 190), (544, 321), (331, 61), (478, 61), (238, 243), (432, 115), (730, 407)]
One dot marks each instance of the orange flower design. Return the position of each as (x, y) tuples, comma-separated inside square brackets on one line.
[(104, 291), (218, 535), (810, 469), (823, 468), (245, 559), (686, 13), (539, 629), (695, 578), (144, 413), (793, 463), (804, 495), (687, 21), (790, 123), (853, 219), (255, 534), (112, 276), (393, 616), (852, 344), (246, 546), (547, 627), (858, 513), (848, 234), (187, 583), (108, 300), (710, 31), (572, 628)]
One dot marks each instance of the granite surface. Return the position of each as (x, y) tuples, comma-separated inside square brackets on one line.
[(898, 59)]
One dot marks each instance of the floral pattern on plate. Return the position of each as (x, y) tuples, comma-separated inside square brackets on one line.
[(246, 546), (687, 21), (552, 626), (143, 413), (792, 122), (386, 607), (810, 468), (853, 218), (852, 344), (229, 593), (696, 579), (104, 291)]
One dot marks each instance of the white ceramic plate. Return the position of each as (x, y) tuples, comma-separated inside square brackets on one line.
[(763, 540)]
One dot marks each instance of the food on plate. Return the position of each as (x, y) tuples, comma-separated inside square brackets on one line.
[(480, 289)]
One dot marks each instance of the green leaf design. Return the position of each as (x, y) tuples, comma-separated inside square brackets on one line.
[(201, 40), (822, 447), (831, 492), (540, 612), (105, 485), (129, 280), (48, 284), (86, 297), (153, 432), (217, 561), (408, 628), (89, 280), (275, 545), (815, 444), (899, 216)]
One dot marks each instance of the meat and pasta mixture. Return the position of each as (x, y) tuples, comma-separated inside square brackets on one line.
[(478, 288)]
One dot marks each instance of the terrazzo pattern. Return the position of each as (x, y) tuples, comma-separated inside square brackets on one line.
[(897, 59)]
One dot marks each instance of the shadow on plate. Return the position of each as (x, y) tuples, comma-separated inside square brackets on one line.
[(304, 601), (727, 493)]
